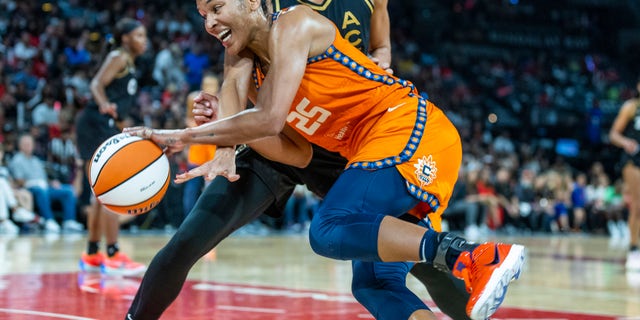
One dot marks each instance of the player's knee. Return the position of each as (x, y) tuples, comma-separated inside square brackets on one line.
[(323, 239), (320, 243), (182, 247)]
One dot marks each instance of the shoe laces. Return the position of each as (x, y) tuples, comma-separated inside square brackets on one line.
[(464, 273)]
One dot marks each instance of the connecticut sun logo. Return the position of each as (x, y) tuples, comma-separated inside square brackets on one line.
[(425, 170)]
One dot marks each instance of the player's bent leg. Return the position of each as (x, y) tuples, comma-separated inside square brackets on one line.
[(347, 222), (216, 214), (446, 291), (381, 288)]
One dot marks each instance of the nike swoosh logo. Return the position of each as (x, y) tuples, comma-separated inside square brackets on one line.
[(396, 107), (496, 258)]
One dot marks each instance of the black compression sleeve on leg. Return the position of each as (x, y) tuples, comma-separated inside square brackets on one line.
[(222, 208), (448, 292)]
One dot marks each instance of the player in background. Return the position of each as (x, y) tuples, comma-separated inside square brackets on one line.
[(625, 134), (114, 88)]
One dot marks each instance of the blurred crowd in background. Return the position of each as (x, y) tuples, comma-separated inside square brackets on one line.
[(532, 88)]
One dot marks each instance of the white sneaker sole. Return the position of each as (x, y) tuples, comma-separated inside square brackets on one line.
[(89, 268), (123, 272), (496, 288)]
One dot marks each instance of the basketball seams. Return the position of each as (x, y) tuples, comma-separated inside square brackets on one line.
[(129, 175), (145, 205), (106, 151), (133, 175), (123, 174)]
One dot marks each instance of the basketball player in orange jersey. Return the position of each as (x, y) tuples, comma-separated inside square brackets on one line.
[(401, 149), (114, 89), (268, 183), (625, 133), (198, 154)]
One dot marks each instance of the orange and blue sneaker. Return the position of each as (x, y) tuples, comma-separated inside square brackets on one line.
[(121, 264), (92, 262), (487, 272)]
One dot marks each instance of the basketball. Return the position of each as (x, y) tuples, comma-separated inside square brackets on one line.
[(129, 175)]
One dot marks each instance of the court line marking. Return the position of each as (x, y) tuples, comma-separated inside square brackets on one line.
[(44, 314), (250, 309)]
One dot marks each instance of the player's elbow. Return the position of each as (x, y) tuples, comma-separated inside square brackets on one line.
[(269, 126), (303, 157), (613, 135)]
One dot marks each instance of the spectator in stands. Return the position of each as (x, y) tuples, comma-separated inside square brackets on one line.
[(196, 61), (579, 202), (462, 204), (29, 172), (76, 52), (168, 67), (596, 192), (508, 202), (44, 114), (10, 202)]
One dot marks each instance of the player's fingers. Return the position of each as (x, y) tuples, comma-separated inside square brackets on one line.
[(183, 177), (129, 129), (233, 177)]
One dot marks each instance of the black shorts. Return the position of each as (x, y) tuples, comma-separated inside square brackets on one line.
[(318, 176), (92, 129)]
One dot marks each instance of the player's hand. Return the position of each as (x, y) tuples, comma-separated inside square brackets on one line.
[(205, 108), (170, 140), (109, 108), (223, 164), (630, 146), (386, 66)]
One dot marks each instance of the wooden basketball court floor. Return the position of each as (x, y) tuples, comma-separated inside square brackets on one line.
[(279, 277)]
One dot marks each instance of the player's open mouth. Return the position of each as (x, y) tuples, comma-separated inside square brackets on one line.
[(224, 36)]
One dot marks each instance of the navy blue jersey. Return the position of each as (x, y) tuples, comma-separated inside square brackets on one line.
[(353, 17)]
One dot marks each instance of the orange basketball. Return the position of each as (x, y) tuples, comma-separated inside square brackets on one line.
[(129, 175)]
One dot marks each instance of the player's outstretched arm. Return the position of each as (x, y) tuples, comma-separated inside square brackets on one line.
[(380, 40)]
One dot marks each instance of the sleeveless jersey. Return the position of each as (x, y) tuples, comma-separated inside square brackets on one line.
[(352, 17), (346, 103), (122, 90), (632, 130)]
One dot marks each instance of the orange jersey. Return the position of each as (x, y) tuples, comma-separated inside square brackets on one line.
[(346, 103), (200, 153)]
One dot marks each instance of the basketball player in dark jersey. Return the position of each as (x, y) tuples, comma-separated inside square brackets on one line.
[(625, 133), (265, 186), (114, 89)]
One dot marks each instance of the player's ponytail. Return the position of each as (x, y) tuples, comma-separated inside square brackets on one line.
[(114, 40)]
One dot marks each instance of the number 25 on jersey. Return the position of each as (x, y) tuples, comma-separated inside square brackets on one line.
[(304, 115)]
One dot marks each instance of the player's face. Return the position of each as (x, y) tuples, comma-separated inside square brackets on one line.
[(137, 40), (227, 21)]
